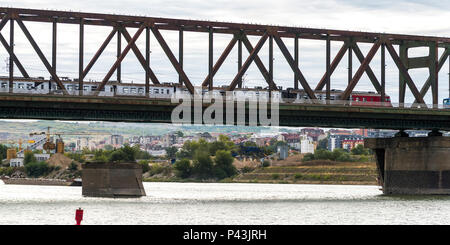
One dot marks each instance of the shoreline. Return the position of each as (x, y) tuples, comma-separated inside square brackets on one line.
[(266, 182), (39, 181)]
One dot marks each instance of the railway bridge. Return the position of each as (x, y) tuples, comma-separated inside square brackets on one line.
[(427, 165)]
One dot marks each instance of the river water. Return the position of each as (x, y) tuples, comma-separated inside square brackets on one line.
[(222, 204)]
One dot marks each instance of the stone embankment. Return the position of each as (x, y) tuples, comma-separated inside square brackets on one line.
[(36, 181)]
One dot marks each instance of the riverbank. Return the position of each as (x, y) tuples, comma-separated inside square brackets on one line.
[(313, 172), (40, 181)]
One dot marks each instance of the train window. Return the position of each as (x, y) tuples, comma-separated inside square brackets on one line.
[(156, 91), (42, 86), (29, 86), (21, 85), (125, 90), (93, 88), (364, 99), (3, 85), (133, 90), (70, 87), (141, 90), (168, 91), (85, 88), (356, 98)]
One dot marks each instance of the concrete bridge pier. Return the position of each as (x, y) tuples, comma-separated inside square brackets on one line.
[(419, 165)]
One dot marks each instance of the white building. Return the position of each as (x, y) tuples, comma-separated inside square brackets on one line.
[(42, 157), (16, 162), (157, 153), (306, 145)]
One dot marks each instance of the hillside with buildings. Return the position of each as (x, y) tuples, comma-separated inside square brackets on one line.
[(294, 155)]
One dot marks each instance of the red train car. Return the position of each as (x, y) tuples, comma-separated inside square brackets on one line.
[(369, 99)]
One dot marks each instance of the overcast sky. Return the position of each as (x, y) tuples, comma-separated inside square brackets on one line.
[(402, 17)]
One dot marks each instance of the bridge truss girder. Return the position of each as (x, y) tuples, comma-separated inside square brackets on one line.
[(240, 32)]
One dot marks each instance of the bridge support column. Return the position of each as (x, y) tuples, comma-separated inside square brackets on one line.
[(419, 165), (112, 180)]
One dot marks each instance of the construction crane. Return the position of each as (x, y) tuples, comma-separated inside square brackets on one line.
[(49, 145)]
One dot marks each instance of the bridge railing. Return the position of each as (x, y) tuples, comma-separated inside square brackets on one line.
[(347, 103)]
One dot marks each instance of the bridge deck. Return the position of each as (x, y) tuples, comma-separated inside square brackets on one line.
[(132, 109)]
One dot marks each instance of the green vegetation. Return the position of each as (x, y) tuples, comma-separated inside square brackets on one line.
[(33, 168), (3, 149), (37, 169), (73, 166), (323, 144), (203, 160), (123, 154), (7, 171), (359, 153), (145, 166), (171, 152)]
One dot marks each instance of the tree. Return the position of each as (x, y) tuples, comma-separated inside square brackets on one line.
[(144, 165), (179, 134), (3, 150), (323, 144), (76, 156), (183, 168), (360, 150), (216, 146), (203, 165), (73, 166), (117, 156), (223, 167), (29, 158), (308, 157), (129, 153), (171, 152), (37, 169)]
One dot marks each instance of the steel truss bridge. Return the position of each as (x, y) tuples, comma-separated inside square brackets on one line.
[(314, 113)]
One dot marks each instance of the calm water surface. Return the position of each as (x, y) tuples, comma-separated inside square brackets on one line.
[(201, 203)]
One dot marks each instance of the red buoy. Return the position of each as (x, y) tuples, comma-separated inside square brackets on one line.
[(79, 216)]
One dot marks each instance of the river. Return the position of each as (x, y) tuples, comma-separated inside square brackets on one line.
[(222, 204)]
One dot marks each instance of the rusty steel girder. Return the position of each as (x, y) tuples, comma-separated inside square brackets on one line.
[(239, 32)]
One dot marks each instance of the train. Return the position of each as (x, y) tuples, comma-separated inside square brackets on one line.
[(40, 85)]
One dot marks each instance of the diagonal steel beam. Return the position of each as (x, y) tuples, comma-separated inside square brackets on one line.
[(361, 69), (139, 56), (16, 60), (259, 63), (99, 52), (120, 58), (4, 21), (441, 63), (402, 69), (369, 71), (247, 62), (294, 68), (333, 66), (41, 55), (221, 59), (172, 59)]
